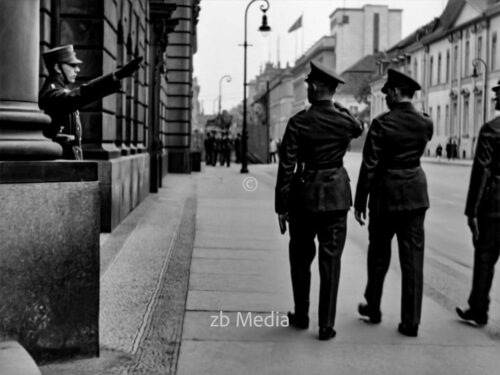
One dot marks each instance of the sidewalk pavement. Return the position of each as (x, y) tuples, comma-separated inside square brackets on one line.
[(239, 270), (240, 265)]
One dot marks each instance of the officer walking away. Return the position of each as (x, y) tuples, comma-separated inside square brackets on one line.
[(61, 102), (314, 196), (209, 146), (226, 147), (439, 151), (393, 178), (483, 216)]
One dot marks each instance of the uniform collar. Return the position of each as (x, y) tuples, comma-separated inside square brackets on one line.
[(403, 105), (322, 103), (57, 79)]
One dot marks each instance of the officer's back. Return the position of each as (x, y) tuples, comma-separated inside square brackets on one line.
[(406, 132), (328, 139)]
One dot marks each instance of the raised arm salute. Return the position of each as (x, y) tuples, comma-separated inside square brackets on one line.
[(61, 101)]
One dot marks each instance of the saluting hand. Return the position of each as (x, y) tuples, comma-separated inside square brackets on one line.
[(128, 69), (360, 217)]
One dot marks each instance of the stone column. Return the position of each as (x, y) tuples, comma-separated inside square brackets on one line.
[(21, 121), (160, 26), (181, 47)]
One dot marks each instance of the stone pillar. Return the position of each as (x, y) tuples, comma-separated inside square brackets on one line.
[(21, 121), (180, 50), (160, 26), (49, 257)]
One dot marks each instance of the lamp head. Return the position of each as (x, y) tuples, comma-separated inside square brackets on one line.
[(265, 29)]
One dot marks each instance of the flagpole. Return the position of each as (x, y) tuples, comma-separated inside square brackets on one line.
[(296, 43), (278, 52), (302, 27)]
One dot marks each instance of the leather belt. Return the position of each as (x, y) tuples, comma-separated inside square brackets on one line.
[(402, 164), (321, 166)]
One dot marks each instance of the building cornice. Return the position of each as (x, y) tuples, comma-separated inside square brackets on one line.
[(457, 30)]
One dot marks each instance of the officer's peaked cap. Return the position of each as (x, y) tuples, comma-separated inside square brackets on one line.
[(323, 74), (497, 87), (62, 54), (398, 79)]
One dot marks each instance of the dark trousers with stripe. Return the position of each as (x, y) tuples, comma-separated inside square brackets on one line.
[(408, 226), (330, 229), (487, 250)]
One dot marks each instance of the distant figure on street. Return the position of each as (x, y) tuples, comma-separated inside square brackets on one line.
[(61, 101), (314, 196), (216, 154), (454, 149), (439, 151), (391, 175), (449, 150), (209, 148), (273, 149), (237, 148), (483, 217), (225, 151)]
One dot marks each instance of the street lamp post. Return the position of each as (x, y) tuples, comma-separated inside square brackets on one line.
[(475, 62), (263, 28), (228, 79)]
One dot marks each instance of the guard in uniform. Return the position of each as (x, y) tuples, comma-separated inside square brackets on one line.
[(314, 196), (391, 175), (61, 102), (483, 215)]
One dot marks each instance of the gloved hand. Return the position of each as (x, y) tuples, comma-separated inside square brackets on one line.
[(128, 69), (282, 219)]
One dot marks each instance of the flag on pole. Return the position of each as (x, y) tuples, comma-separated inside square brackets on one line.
[(296, 25)]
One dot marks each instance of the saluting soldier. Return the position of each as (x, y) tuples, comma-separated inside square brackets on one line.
[(396, 183), (313, 194), (483, 216), (61, 102)]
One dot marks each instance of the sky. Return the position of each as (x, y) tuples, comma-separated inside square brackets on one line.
[(220, 34)]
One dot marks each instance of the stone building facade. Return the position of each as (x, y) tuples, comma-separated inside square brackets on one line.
[(138, 135), (443, 56)]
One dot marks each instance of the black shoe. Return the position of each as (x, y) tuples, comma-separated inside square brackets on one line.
[(410, 330), (375, 316), (326, 333), (479, 319), (298, 321)]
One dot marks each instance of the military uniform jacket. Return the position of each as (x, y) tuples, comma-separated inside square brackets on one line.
[(390, 172), (310, 173), (483, 197), (62, 105)]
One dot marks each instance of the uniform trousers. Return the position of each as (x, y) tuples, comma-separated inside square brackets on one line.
[(487, 250), (408, 226), (330, 229)]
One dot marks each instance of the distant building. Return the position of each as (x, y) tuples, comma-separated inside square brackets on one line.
[(280, 102), (358, 32), (441, 56)]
